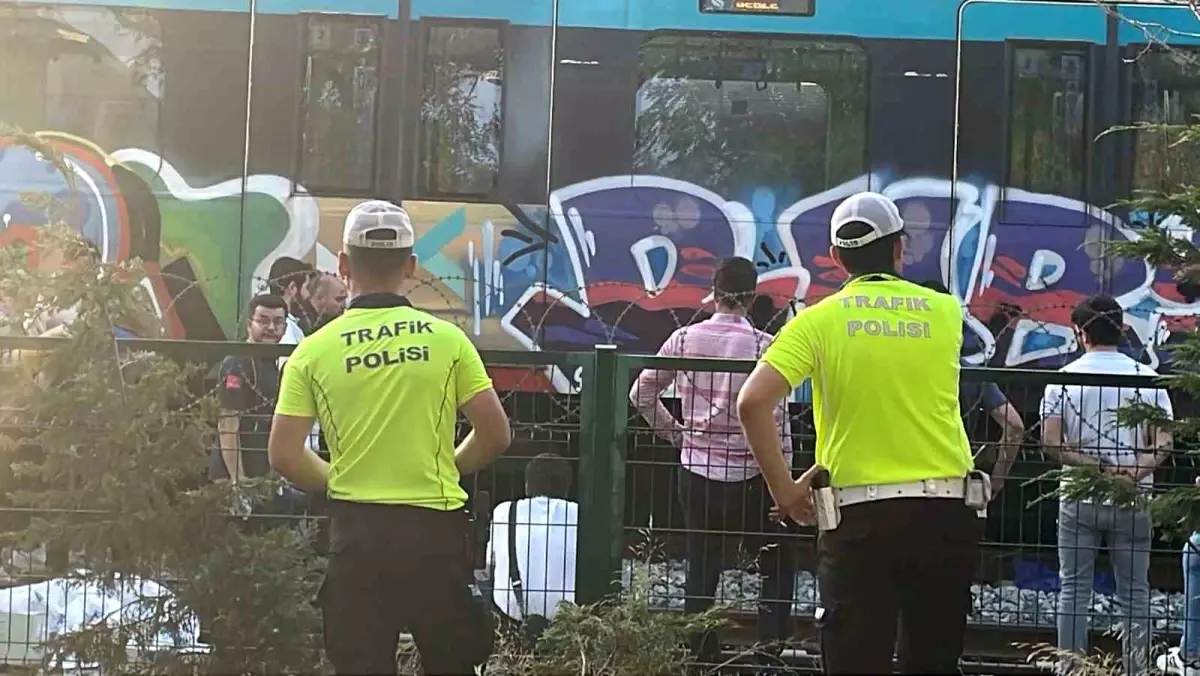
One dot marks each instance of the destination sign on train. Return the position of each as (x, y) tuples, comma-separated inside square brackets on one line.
[(779, 7)]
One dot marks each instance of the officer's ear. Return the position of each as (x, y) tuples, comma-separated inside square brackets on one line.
[(836, 255), (343, 265)]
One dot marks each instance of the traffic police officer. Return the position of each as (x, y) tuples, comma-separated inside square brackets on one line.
[(386, 382), (893, 490)]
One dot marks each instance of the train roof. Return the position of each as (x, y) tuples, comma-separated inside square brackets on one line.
[(984, 20)]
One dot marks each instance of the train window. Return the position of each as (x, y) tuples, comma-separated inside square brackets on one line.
[(1047, 144), (732, 113), (461, 105), (339, 103), (71, 80), (1166, 90)]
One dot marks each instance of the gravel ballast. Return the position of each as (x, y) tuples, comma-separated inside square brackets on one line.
[(1005, 604)]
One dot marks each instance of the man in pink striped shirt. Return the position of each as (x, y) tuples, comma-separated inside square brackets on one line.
[(719, 484)]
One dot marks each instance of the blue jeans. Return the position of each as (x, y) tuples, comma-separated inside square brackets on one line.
[(1190, 645), (1081, 526)]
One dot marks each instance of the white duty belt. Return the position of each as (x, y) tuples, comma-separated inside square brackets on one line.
[(929, 488)]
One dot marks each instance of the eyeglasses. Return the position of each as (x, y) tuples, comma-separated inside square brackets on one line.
[(268, 322)]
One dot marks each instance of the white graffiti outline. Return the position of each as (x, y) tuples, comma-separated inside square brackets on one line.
[(580, 244), (105, 246), (303, 211), (976, 217), (1037, 279), (640, 251)]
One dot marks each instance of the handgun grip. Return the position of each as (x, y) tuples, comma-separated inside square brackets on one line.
[(820, 478)]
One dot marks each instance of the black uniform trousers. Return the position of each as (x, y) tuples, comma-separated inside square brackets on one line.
[(715, 511), (393, 567), (907, 558)]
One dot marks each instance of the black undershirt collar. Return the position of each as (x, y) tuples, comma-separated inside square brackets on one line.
[(376, 301)]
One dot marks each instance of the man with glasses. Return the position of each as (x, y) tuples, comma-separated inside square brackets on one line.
[(247, 388)]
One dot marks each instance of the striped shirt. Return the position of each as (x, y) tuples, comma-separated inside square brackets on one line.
[(710, 438)]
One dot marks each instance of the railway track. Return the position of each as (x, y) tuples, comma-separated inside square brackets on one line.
[(988, 648)]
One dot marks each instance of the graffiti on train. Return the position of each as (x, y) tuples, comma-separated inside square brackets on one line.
[(626, 258), (134, 204), (620, 259)]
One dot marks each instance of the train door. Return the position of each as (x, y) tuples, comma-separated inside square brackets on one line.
[(1027, 237)]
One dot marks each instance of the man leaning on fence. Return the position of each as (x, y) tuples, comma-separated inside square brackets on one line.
[(1080, 428), (899, 518), (387, 382), (247, 387), (720, 488), (976, 395)]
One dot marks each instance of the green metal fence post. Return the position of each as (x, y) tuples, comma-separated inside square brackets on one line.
[(601, 477)]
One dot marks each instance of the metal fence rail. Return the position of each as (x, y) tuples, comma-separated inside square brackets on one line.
[(626, 482)]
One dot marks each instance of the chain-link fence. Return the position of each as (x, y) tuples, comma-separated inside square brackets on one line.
[(610, 491)]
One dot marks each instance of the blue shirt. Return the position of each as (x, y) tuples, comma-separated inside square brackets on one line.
[(975, 394)]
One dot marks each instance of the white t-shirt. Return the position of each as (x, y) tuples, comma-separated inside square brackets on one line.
[(292, 335), (547, 531), (1089, 412)]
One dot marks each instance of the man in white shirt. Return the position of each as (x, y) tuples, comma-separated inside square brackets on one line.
[(546, 529), (1079, 428)]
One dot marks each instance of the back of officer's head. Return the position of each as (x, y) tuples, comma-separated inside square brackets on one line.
[(1099, 321), (548, 475), (866, 235), (734, 284), (376, 248)]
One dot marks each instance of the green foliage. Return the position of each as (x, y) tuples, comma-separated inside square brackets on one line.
[(618, 638), (621, 637), (1175, 511), (1090, 483), (1095, 664), (108, 448)]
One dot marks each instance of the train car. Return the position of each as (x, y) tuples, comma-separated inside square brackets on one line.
[(575, 168)]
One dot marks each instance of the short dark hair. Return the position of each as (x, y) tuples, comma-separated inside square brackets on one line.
[(286, 271), (549, 475), (1101, 319), (762, 312), (875, 257), (269, 301), (378, 264), (734, 282), (935, 285), (1189, 289)]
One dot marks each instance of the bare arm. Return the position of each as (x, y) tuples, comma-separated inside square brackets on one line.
[(756, 404), (646, 397), (1012, 433), (1055, 445), (1159, 443), (489, 436), (290, 455), (227, 433)]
